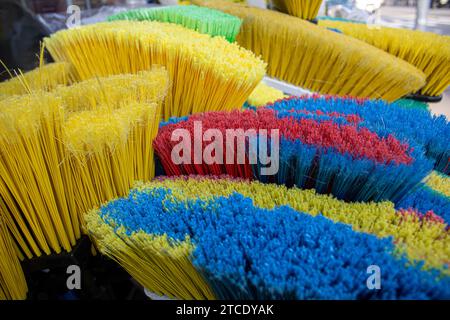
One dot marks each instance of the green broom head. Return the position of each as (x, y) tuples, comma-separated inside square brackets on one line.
[(203, 20)]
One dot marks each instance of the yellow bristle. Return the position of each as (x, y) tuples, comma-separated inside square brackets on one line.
[(109, 149), (206, 73), (157, 263), (427, 51), (109, 131), (44, 78), (304, 9), (31, 186), (264, 94), (13, 285), (439, 182), (65, 152), (321, 60), (115, 91)]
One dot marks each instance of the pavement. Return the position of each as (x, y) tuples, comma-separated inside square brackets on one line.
[(438, 22)]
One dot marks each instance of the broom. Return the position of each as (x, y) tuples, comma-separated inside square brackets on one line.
[(420, 238), (108, 132), (426, 51), (51, 168), (206, 73), (329, 151), (413, 125), (12, 280), (320, 60), (304, 9), (198, 245), (203, 20)]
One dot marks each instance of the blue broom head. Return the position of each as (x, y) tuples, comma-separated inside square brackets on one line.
[(246, 252), (418, 126)]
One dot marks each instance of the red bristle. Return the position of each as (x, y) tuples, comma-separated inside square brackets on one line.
[(429, 216), (345, 139)]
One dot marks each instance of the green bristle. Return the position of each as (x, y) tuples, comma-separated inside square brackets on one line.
[(203, 20), (409, 103)]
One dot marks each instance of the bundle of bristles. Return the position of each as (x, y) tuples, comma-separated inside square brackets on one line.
[(79, 132), (358, 60)]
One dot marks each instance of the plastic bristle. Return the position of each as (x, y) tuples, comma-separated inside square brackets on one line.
[(205, 73), (68, 151), (416, 125), (320, 60), (203, 20), (329, 151), (13, 285), (304, 9), (44, 78), (264, 94), (115, 91), (425, 199), (418, 239), (439, 182), (242, 250), (428, 52)]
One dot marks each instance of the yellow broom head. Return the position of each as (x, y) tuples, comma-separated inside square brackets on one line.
[(65, 152), (304, 9), (44, 78), (321, 60), (112, 119), (264, 94), (109, 149), (206, 73), (12, 280), (427, 51)]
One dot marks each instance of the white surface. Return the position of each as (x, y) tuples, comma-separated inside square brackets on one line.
[(287, 88)]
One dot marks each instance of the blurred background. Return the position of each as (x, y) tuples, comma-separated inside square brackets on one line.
[(23, 23)]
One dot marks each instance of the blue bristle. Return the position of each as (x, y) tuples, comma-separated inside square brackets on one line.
[(335, 30), (249, 106), (296, 163), (246, 252), (329, 171), (425, 199), (173, 120)]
